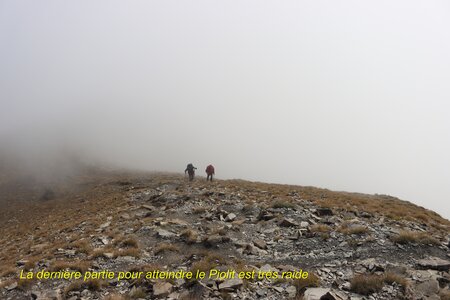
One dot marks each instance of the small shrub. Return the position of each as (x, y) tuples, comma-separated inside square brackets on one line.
[(311, 281), (390, 278), (127, 252), (82, 246), (198, 210), (320, 228), (166, 247), (208, 262), (406, 237), (189, 236), (92, 284), (130, 243), (59, 265), (348, 229), (366, 284), (282, 204)]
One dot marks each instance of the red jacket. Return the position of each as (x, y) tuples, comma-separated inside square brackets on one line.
[(209, 170)]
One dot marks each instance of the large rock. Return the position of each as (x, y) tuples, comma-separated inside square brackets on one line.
[(434, 263), (165, 234), (286, 222), (231, 284), (315, 293), (260, 243), (427, 288), (230, 217), (291, 291), (334, 295), (162, 289)]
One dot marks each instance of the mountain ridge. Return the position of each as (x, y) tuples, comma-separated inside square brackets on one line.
[(128, 220)]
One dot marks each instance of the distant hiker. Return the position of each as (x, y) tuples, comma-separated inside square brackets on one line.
[(210, 172), (190, 169)]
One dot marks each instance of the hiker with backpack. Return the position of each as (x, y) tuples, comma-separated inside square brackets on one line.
[(190, 169), (209, 172)]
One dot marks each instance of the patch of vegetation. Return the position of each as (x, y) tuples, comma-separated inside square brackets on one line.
[(92, 285), (189, 236), (406, 237), (390, 278), (349, 229), (444, 294), (127, 252), (320, 228), (166, 247), (78, 265), (366, 284), (8, 271), (312, 281), (199, 210), (138, 293), (130, 243), (282, 204), (208, 262), (115, 297)]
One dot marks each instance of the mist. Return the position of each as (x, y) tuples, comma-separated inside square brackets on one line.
[(344, 95)]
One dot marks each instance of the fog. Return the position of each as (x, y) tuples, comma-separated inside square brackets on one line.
[(346, 95)]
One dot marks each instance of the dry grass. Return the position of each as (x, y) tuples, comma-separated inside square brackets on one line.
[(300, 284), (82, 246), (282, 204), (166, 247), (199, 210), (101, 252), (78, 265), (115, 297), (366, 284), (8, 271), (6, 283), (25, 284), (92, 284), (208, 262), (350, 229), (189, 236), (390, 278), (130, 243), (219, 230), (138, 293), (31, 263), (444, 294), (406, 237), (388, 206), (50, 219), (320, 228), (127, 252)]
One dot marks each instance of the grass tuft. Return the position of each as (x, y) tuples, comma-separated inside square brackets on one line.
[(366, 284), (406, 237)]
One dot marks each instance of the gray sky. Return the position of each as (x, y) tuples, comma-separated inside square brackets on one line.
[(347, 95)]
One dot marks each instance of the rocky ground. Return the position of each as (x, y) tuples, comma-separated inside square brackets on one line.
[(352, 246)]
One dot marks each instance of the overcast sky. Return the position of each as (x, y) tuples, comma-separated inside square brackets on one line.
[(346, 95)]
